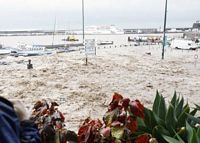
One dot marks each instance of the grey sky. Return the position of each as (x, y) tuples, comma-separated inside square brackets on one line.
[(40, 14)]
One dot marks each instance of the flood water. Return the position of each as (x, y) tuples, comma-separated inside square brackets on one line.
[(48, 39)]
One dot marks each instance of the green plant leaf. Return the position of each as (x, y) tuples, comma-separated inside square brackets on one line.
[(161, 130), (197, 107), (174, 99), (194, 139), (158, 131), (159, 120), (110, 116), (170, 139), (140, 122), (162, 108), (190, 133), (170, 119), (180, 140), (183, 116), (177, 135), (179, 107), (159, 106), (156, 103), (198, 135), (193, 112), (149, 120), (194, 119)]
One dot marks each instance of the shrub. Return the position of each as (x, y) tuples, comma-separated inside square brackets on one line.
[(164, 122), (129, 121), (118, 125)]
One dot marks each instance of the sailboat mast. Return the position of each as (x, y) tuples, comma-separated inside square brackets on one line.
[(54, 29), (83, 21)]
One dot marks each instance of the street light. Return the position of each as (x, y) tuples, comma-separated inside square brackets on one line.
[(83, 21), (83, 24), (164, 31)]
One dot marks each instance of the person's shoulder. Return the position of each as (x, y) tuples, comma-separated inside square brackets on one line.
[(7, 109), (4, 101), (7, 114)]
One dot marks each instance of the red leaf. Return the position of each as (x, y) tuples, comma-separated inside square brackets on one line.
[(89, 131), (132, 124), (122, 117), (125, 103), (137, 108), (96, 124), (142, 139), (86, 121), (58, 125), (106, 132), (115, 101), (84, 134), (117, 97), (37, 105), (62, 116)]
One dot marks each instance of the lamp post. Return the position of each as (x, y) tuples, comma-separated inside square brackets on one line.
[(83, 27), (164, 31), (83, 21)]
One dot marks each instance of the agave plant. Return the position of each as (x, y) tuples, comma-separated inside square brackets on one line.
[(163, 120), (192, 135)]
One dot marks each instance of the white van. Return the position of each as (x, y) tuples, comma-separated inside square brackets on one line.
[(184, 44)]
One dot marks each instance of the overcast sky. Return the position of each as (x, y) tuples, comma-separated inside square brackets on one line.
[(40, 14)]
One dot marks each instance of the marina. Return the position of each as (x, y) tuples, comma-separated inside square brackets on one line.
[(35, 42)]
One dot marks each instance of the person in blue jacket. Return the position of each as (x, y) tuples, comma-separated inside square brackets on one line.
[(15, 127)]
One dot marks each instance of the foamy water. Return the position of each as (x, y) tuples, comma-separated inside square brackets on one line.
[(47, 40), (84, 91)]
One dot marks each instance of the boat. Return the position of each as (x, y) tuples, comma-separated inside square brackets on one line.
[(4, 50), (29, 50), (105, 43), (150, 39), (70, 38), (102, 30)]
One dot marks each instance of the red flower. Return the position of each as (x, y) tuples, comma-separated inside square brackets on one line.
[(142, 139), (131, 124), (137, 108)]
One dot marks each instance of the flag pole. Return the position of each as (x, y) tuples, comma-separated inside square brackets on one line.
[(164, 32)]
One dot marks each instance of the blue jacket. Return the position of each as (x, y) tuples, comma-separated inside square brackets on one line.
[(12, 130)]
